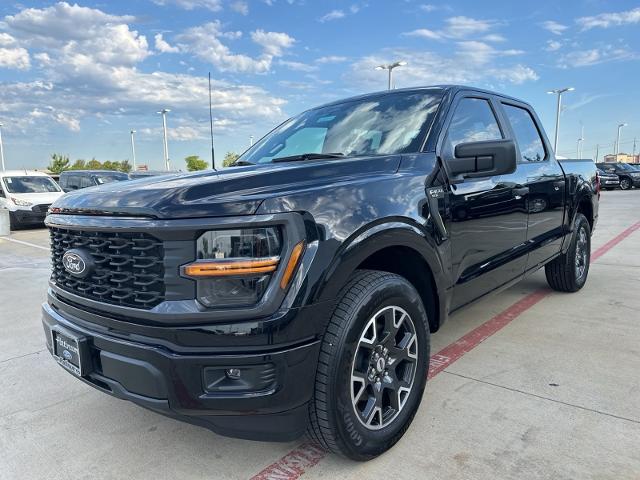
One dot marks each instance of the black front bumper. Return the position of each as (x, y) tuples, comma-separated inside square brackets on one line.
[(27, 217), (268, 401)]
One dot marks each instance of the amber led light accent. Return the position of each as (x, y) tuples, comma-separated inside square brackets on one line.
[(294, 259), (223, 268)]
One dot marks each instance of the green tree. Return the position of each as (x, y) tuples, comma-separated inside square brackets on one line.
[(59, 163), (125, 166), (94, 164), (79, 165), (229, 158), (194, 163), (109, 165)]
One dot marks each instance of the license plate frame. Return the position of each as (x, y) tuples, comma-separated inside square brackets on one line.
[(70, 350)]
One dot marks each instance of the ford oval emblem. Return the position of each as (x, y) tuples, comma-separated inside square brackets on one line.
[(67, 354), (76, 262)]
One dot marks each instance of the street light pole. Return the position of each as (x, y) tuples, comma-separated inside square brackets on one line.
[(390, 68), (165, 144), (133, 150), (1, 148), (618, 139), (558, 92)]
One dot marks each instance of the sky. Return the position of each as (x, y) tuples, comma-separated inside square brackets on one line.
[(75, 78)]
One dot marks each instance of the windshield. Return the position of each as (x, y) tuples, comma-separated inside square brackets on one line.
[(30, 185), (388, 124), (624, 166), (106, 178)]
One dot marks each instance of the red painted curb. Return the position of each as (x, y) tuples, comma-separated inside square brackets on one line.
[(295, 463)]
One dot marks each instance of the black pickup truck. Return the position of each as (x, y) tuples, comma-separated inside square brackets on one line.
[(297, 291)]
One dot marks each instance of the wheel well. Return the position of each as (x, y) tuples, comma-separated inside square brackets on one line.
[(408, 263), (586, 208)]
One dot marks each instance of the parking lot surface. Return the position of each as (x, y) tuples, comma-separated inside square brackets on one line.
[(529, 383)]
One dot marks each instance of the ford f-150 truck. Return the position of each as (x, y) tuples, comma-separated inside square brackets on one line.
[(297, 291)]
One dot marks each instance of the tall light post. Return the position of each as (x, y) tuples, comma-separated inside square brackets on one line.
[(390, 68), (1, 148), (133, 149), (558, 92), (618, 139), (580, 142), (165, 144)]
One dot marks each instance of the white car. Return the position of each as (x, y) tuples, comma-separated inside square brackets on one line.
[(27, 195)]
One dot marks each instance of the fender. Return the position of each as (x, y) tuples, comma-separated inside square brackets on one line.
[(376, 236)]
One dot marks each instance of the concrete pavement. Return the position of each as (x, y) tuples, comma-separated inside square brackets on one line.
[(553, 394)]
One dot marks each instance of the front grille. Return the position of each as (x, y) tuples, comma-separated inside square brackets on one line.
[(40, 208), (128, 270)]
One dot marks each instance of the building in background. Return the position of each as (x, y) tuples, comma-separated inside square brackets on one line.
[(623, 158)]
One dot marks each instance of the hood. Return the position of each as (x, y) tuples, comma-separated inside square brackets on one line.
[(232, 191), (44, 198)]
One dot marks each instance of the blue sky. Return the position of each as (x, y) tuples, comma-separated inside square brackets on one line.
[(76, 78)]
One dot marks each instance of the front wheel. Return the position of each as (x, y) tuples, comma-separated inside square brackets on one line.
[(625, 183), (568, 272), (372, 368)]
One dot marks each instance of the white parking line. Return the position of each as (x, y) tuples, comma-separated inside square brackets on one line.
[(22, 242)]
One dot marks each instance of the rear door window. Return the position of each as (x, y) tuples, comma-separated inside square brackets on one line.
[(473, 121), (526, 133)]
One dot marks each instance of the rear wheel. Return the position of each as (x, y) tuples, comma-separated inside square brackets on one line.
[(372, 368), (568, 272), (625, 183)]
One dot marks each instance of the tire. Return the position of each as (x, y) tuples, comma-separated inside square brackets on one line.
[(568, 272), (349, 373), (625, 183)]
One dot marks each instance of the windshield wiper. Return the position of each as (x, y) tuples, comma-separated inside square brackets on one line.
[(241, 163), (307, 156)]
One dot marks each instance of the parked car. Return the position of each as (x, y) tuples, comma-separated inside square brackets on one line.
[(76, 179), (629, 175), (27, 195), (298, 293), (608, 181)]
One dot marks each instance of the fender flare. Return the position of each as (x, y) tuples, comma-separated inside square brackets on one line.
[(374, 237)]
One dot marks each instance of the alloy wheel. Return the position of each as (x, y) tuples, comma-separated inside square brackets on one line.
[(384, 367), (582, 253)]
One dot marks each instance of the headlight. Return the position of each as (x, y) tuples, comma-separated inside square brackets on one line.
[(21, 203), (234, 267)]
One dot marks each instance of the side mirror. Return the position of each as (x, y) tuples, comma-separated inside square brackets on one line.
[(483, 159)]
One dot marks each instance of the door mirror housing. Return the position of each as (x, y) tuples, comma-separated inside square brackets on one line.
[(483, 159)]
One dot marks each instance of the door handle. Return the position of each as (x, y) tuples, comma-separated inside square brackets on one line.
[(557, 185), (520, 192)]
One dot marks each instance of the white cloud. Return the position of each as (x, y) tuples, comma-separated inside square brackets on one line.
[(428, 7), (553, 45), (494, 37), (163, 46), (606, 20), (14, 58), (594, 56), (428, 68), (332, 15), (241, 7), (272, 42), (91, 60), (298, 66), (204, 42), (456, 28), (212, 5), (80, 35), (425, 33), (554, 27), (331, 59)]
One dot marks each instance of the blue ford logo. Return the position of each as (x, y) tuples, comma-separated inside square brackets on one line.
[(67, 354), (77, 262)]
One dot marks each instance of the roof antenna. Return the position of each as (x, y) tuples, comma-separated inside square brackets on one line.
[(213, 155)]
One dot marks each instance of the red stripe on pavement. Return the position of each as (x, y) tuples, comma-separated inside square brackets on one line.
[(614, 241), (295, 463), (475, 337)]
